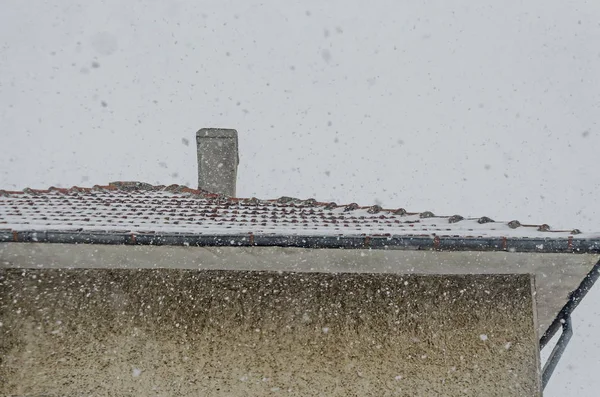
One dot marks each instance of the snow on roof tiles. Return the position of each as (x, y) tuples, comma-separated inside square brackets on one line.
[(142, 208)]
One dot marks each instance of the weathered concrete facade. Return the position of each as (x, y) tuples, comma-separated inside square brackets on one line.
[(235, 333), (556, 275)]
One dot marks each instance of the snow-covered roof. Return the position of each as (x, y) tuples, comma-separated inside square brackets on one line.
[(143, 209)]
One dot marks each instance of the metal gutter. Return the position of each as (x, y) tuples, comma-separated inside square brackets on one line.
[(428, 242)]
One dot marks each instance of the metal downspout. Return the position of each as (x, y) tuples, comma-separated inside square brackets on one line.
[(563, 320)]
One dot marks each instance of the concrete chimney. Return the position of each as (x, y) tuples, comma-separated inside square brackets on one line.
[(218, 160)]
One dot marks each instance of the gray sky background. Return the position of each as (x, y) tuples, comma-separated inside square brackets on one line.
[(476, 108)]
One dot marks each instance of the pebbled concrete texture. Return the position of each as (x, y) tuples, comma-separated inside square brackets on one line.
[(556, 275), (181, 332)]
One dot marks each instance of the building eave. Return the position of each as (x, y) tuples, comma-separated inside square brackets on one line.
[(423, 242)]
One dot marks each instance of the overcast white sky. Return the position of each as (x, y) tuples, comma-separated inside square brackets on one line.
[(469, 107)]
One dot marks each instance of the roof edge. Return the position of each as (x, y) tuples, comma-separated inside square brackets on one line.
[(439, 243)]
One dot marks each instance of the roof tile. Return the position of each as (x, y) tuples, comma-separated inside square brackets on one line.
[(138, 206)]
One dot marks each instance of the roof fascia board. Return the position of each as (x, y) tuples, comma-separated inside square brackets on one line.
[(542, 245)]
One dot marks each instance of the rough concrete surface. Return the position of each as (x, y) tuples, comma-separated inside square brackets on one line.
[(175, 332), (218, 158), (556, 275)]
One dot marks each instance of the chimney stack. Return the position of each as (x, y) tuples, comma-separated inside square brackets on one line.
[(218, 160)]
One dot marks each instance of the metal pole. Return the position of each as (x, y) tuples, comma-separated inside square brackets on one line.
[(561, 345)]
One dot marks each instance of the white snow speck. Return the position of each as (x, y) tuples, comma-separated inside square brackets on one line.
[(398, 377), (483, 337), (274, 389), (508, 345), (136, 372), (325, 330)]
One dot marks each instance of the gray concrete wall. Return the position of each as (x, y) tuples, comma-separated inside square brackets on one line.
[(556, 275), (168, 332)]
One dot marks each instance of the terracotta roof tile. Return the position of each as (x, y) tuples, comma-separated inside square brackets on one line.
[(137, 206)]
